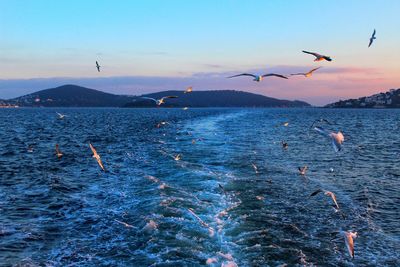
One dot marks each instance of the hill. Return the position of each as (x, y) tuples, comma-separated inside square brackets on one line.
[(77, 96), (216, 98), (389, 99), (70, 96)]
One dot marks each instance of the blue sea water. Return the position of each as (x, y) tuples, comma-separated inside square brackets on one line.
[(209, 204)]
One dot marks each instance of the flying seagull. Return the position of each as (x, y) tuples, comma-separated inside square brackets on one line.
[(58, 152), (30, 149), (307, 74), (161, 100), (98, 66), (259, 78), (285, 145), (303, 170), (349, 240), (318, 57), (371, 40), (124, 224), (161, 123), (336, 138), (255, 168), (60, 116), (188, 90), (326, 193), (97, 157)]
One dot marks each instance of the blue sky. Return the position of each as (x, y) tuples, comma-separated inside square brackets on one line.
[(181, 42)]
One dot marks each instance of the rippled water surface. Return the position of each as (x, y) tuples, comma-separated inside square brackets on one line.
[(209, 205)]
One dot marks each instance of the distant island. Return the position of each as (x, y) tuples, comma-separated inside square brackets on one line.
[(389, 99), (77, 96)]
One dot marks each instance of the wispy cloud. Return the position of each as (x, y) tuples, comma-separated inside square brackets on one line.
[(213, 66)]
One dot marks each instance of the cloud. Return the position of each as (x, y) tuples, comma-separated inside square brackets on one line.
[(213, 66)]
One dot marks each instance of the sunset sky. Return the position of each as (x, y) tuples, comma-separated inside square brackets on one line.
[(149, 46)]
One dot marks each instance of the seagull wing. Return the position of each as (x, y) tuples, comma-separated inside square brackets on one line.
[(312, 53), (311, 71), (316, 192), (373, 34), (325, 120), (298, 74), (100, 163), (93, 150), (322, 131), (169, 96), (255, 167), (332, 195), (274, 74), (348, 239), (337, 147), (145, 97), (243, 74)]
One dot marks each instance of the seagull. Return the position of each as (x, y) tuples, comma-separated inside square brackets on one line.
[(326, 193), (61, 116), (303, 170), (307, 74), (161, 123), (98, 66), (124, 224), (260, 198), (58, 152), (285, 145), (161, 100), (371, 40), (188, 90), (177, 157), (337, 138), (349, 240), (286, 124), (318, 57), (259, 78), (255, 168), (97, 157)]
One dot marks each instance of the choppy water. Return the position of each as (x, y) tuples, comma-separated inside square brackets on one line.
[(65, 212)]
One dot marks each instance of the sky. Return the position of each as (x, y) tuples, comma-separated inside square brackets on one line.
[(155, 45)]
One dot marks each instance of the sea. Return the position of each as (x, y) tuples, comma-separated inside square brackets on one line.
[(198, 187)]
